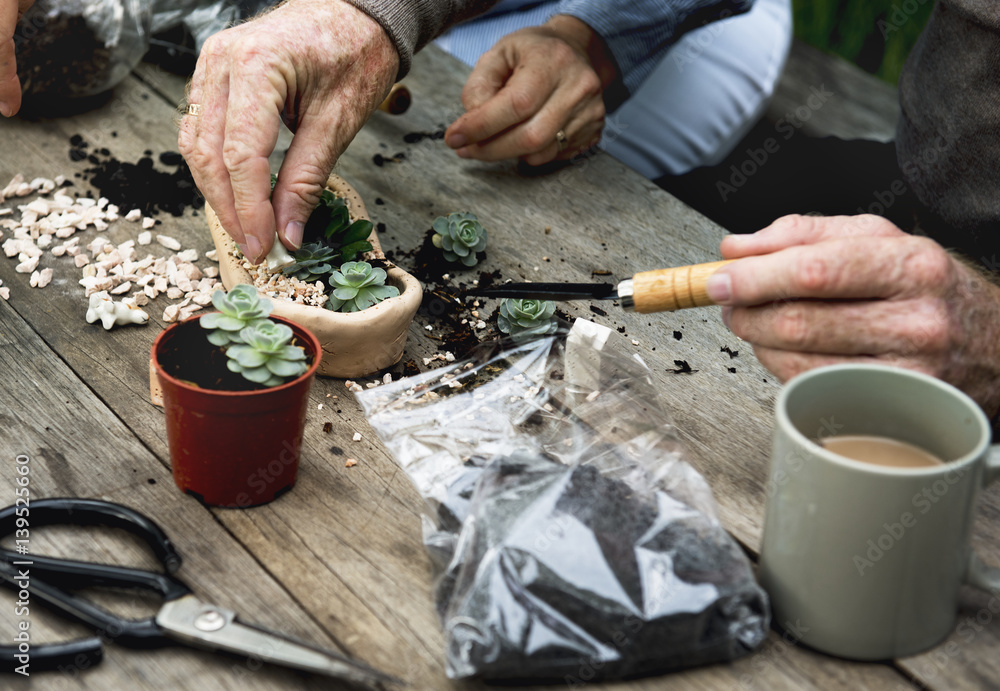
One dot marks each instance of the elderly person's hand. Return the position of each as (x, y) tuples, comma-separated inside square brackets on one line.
[(536, 95), (814, 291), (323, 67), (10, 85)]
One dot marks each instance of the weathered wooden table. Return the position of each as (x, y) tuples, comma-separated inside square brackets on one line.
[(339, 560)]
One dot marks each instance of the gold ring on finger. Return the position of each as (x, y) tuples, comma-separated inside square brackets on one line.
[(561, 141)]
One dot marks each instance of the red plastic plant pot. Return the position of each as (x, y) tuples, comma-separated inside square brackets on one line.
[(233, 448)]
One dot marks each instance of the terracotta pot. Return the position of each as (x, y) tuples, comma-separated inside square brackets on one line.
[(354, 344), (234, 448)]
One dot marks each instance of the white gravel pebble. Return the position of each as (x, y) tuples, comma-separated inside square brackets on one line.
[(145, 237), (133, 215), (27, 266), (168, 242)]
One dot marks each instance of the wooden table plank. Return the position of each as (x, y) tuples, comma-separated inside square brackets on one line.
[(345, 543), (77, 447)]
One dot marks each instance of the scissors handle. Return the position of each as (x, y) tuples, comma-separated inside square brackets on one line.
[(73, 511), (52, 579)]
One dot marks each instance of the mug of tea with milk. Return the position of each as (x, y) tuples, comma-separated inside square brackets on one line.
[(872, 490)]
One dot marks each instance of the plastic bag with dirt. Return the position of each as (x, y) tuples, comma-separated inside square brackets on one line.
[(70, 49), (570, 538)]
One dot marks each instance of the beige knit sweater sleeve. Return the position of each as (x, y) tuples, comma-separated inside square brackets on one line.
[(412, 24)]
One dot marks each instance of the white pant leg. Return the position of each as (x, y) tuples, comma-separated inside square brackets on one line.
[(703, 97)]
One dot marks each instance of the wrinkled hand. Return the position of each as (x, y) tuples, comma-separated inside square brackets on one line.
[(531, 84), (323, 67), (10, 85), (815, 291)]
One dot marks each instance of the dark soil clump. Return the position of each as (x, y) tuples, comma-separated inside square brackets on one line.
[(415, 137), (139, 185), (682, 368)]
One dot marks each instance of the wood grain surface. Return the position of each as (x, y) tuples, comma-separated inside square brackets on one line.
[(339, 561)]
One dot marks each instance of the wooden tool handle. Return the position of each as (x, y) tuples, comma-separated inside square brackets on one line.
[(397, 101), (665, 290)]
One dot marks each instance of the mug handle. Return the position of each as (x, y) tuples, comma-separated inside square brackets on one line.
[(979, 574)]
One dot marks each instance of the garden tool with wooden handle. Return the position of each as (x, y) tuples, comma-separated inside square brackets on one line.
[(661, 290)]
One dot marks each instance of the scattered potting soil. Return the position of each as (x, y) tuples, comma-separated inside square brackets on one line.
[(597, 310), (444, 305), (682, 368), (380, 160), (139, 185), (415, 137), (732, 370), (727, 349), (678, 335), (553, 578), (427, 262), (327, 427)]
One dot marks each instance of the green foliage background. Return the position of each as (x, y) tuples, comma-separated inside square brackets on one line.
[(852, 29)]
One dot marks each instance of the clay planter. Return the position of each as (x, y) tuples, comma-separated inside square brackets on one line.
[(231, 448), (354, 344)]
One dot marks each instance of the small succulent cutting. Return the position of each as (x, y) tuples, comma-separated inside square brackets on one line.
[(239, 308), (339, 240), (313, 261), (266, 355), (524, 318), (459, 236), (357, 286)]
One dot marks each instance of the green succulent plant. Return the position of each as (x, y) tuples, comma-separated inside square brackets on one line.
[(340, 233), (266, 355), (340, 239), (239, 308), (357, 286), (312, 261), (524, 318), (459, 236)]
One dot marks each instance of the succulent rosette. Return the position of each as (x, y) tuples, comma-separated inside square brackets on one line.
[(459, 236), (239, 308), (357, 286), (266, 355), (312, 261), (525, 318)]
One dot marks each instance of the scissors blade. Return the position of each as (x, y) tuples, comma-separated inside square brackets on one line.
[(201, 625)]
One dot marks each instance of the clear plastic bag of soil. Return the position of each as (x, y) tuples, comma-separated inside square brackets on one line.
[(571, 539), (70, 49), (181, 27)]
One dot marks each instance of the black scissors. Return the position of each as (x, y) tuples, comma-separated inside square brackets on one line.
[(183, 618)]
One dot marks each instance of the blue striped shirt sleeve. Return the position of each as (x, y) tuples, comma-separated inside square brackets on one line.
[(639, 32)]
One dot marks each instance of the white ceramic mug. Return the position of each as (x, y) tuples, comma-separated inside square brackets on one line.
[(861, 560)]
